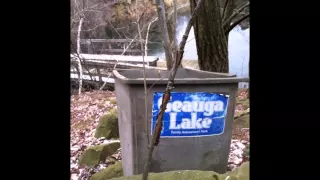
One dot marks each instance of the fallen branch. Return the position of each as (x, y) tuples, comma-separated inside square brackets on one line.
[(166, 97)]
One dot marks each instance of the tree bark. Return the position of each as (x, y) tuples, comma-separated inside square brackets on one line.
[(211, 40)]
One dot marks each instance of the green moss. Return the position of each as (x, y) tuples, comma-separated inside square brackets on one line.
[(244, 102), (95, 154), (241, 173), (108, 126), (175, 175), (246, 152), (112, 171), (113, 101), (242, 122)]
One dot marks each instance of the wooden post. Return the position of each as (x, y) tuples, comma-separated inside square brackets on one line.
[(109, 46), (89, 46), (99, 74)]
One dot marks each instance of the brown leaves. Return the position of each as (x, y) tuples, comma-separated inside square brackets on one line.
[(236, 156), (240, 136), (86, 109), (242, 94)]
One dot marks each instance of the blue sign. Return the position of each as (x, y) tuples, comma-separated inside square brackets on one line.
[(191, 114)]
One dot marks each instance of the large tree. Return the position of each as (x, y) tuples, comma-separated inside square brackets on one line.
[(211, 29)]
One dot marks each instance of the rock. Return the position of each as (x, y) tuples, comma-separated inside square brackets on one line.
[(74, 177), (240, 145), (108, 126), (246, 152), (237, 154), (241, 173), (95, 154), (113, 171)]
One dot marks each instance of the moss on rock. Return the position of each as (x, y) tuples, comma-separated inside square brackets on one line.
[(95, 154), (241, 173), (242, 121), (108, 126), (112, 171), (113, 101)]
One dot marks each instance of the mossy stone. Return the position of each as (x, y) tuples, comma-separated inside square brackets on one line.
[(108, 126), (241, 173), (112, 171), (95, 154)]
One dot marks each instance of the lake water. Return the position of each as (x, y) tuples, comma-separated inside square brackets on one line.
[(238, 47)]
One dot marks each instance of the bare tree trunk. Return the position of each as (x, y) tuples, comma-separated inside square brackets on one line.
[(210, 38), (165, 33), (211, 31), (170, 25), (147, 38), (78, 52)]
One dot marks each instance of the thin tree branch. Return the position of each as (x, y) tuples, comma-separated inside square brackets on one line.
[(165, 33), (115, 29), (147, 37), (148, 29), (115, 65), (185, 36), (126, 25), (91, 29), (175, 14), (166, 96), (227, 31), (84, 66), (227, 22), (178, 8), (90, 8), (144, 76), (224, 8)]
